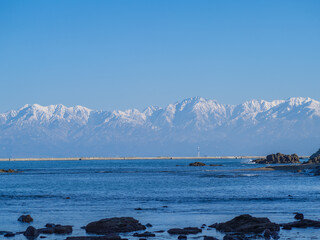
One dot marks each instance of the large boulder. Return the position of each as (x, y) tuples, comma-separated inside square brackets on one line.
[(247, 224), (114, 225), (25, 218), (278, 159), (31, 233)]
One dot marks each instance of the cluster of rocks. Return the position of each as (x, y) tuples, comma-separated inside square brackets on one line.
[(242, 227), (278, 158)]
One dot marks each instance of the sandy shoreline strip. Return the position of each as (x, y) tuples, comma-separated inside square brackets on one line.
[(130, 158)]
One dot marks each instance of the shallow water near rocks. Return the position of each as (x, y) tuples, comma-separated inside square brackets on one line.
[(169, 195)]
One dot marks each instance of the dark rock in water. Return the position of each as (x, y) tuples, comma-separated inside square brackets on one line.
[(299, 216), (7, 171), (9, 234), (316, 171), (62, 229), (182, 237), (267, 234), (106, 237), (114, 225), (304, 223), (184, 231), (314, 158), (42, 237), (145, 234), (149, 225), (247, 224), (31, 233), (25, 218), (46, 230), (197, 164), (278, 159), (50, 225), (209, 238)]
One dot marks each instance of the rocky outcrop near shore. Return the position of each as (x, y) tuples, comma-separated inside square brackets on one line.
[(247, 224), (314, 158), (114, 225), (278, 158)]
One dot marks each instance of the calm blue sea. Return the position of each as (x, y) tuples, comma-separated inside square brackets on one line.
[(171, 194)]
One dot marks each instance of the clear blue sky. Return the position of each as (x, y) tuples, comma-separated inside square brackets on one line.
[(124, 54)]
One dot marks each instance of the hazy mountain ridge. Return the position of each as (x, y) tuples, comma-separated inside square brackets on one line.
[(254, 127)]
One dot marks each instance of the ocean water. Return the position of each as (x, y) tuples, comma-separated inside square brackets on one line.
[(170, 193)]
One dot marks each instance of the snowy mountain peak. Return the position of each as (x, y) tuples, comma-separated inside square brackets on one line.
[(186, 123)]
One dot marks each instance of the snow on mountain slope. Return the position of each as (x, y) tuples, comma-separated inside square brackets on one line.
[(252, 127)]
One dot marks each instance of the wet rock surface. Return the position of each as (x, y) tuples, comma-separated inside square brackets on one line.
[(314, 158), (278, 158), (184, 231), (25, 218), (299, 216), (247, 224), (304, 223), (114, 225), (31, 233)]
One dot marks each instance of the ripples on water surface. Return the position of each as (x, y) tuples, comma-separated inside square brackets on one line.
[(194, 195)]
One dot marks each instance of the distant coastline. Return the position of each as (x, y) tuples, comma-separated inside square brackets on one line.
[(130, 158)]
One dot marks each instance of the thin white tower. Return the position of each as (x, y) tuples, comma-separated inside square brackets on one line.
[(198, 151)]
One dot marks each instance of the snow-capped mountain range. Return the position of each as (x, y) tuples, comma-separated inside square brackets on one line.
[(255, 127)]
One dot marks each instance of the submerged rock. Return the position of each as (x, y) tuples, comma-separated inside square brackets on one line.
[(25, 218), (278, 159), (184, 231), (114, 225), (197, 164), (247, 224)]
